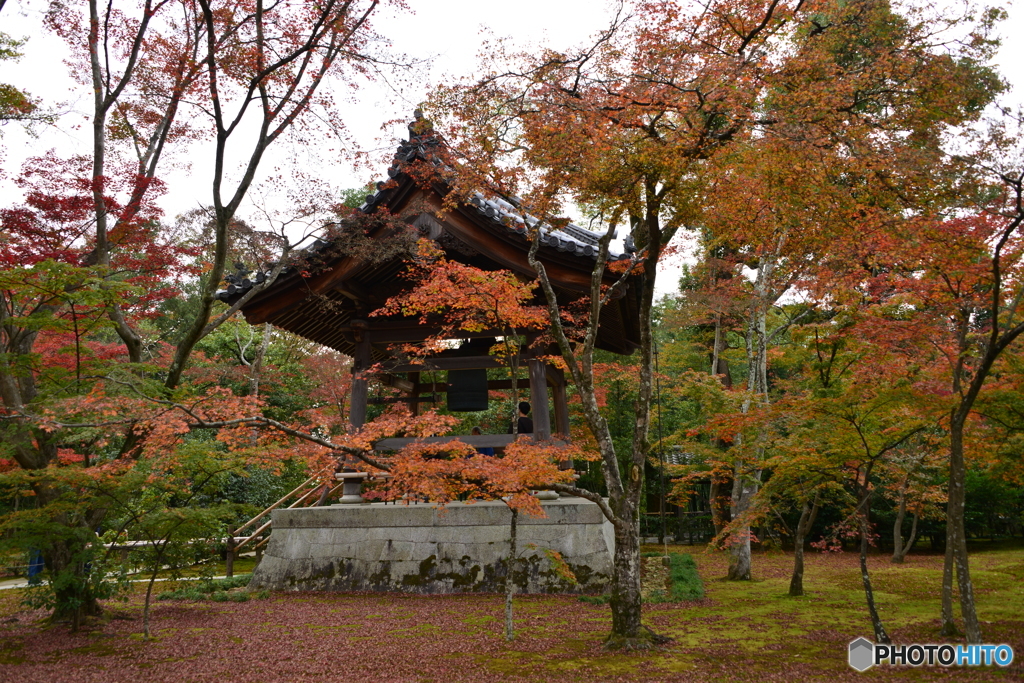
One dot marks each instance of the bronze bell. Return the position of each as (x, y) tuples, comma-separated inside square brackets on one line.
[(467, 390)]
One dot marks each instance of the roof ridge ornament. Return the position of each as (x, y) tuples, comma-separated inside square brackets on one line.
[(420, 127)]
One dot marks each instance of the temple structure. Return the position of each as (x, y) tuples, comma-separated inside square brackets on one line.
[(331, 305)]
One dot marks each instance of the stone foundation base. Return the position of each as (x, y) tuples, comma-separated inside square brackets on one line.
[(422, 549)]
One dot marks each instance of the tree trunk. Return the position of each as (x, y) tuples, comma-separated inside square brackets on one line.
[(66, 557), (719, 365), (900, 549), (913, 535), (948, 622), (876, 622), (716, 509), (719, 508), (627, 629), (744, 488), (510, 581), (74, 598), (149, 593), (897, 528), (625, 485), (256, 371), (796, 582), (956, 537), (807, 516), (34, 450)]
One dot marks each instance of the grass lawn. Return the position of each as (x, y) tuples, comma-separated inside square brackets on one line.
[(749, 631)]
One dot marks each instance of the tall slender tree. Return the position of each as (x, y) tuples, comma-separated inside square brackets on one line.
[(624, 125), (633, 124)]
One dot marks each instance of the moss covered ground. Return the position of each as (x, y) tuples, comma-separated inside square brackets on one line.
[(749, 631)]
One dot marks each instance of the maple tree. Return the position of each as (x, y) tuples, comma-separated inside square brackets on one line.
[(707, 310), (461, 300), (757, 219), (225, 59), (63, 529), (911, 474), (878, 424), (640, 124), (840, 148), (890, 266), (994, 245), (852, 425), (624, 126), (153, 505), (53, 311), (958, 286), (88, 244)]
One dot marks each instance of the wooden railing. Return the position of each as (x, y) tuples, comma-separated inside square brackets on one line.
[(307, 495)]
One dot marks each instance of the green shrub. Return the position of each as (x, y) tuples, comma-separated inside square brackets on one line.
[(227, 584), (215, 590), (684, 579), (595, 599), (182, 594), (686, 582)]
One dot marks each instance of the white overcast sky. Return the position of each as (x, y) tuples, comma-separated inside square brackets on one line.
[(444, 34)]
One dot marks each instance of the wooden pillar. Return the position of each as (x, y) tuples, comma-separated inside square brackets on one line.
[(414, 405), (229, 560), (561, 404), (539, 399), (541, 413), (352, 489), (360, 383), (561, 401)]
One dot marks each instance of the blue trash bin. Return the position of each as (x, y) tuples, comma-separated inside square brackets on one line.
[(35, 566)]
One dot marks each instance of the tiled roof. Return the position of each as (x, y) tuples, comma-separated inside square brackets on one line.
[(571, 239)]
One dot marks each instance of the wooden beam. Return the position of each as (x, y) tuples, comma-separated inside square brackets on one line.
[(395, 330), (386, 400), (492, 385), (295, 289), (355, 291), (389, 380), (555, 375), (446, 363), (482, 441)]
